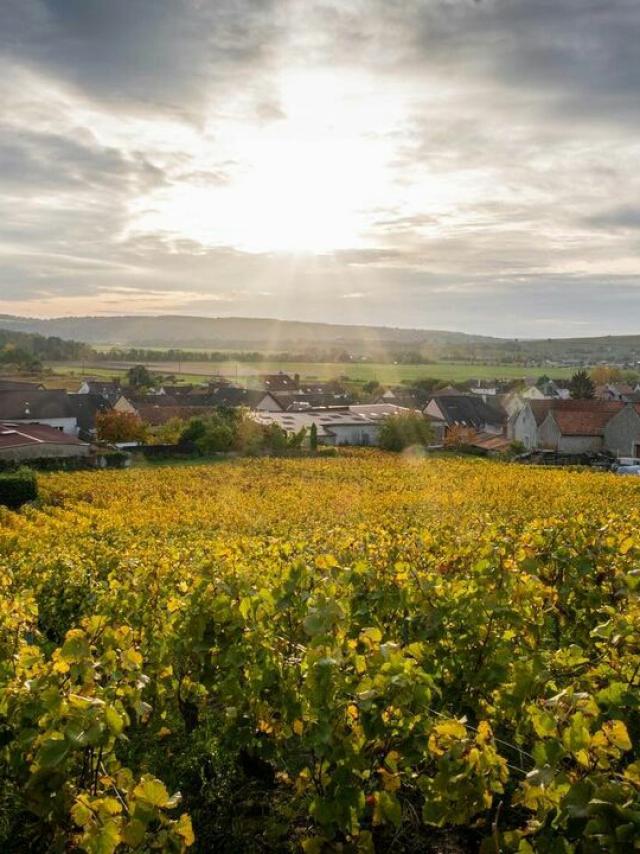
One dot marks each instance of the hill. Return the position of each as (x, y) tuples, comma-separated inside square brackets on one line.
[(234, 333), (379, 343)]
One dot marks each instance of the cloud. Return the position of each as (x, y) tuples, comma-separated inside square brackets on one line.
[(622, 218), (481, 156), (153, 54)]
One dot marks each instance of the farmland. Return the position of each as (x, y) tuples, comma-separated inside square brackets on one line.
[(383, 372), (361, 653)]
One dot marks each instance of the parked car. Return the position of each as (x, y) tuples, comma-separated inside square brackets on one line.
[(628, 470)]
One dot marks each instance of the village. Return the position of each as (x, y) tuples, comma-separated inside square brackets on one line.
[(104, 421)]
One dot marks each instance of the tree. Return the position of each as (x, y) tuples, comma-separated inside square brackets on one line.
[(581, 386), (372, 387), (217, 437), (139, 377), (114, 426), (194, 430), (313, 437), (459, 437), (168, 433), (210, 435), (401, 431), (603, 374), (249, 435)]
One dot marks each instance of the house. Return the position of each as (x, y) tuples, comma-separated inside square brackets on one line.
[(297, 400), (550, 388), (85, 408), (109, 389), (280, 382), (511, 403), (533, 393), (177, 390), (335, 427), (622, 432), (523, 425), (19, 385), (577, 426), (379, 411), (51, 407), (19, 441), (611, 391), (467, 410), (400, 396), (232, 397)]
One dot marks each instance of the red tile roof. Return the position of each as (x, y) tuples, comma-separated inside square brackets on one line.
[(584, 417)]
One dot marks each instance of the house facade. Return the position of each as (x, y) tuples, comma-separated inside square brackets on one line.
[(622, 433), (578, 426), (335, 427)]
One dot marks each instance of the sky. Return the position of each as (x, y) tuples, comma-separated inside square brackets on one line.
[(446, 164)]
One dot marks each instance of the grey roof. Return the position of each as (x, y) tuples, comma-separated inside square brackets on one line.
[(291, 400), (35, 404), (19, 385), (85, 408), (469, 411)]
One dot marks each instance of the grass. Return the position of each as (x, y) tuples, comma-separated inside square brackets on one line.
[(362, 372)]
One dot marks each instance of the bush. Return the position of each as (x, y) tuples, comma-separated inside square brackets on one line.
[(17, 488), (217, 437), (48, 464), (115, 459), (401, 431)]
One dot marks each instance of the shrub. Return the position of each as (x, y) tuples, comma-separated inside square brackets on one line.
[(401, 431), (16, 488)]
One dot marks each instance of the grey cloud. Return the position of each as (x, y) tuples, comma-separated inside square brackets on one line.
[(162, 54), (49, 161), (623, 218), (577, 56)]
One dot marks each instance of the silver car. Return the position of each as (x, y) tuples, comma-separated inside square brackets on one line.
[(628, 470)]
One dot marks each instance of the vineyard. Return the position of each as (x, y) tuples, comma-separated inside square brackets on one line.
[(355, 654)]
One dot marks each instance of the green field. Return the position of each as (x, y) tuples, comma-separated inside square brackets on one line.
[(362, 372)]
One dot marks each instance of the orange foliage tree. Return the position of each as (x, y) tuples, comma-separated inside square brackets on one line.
[(114, 426)]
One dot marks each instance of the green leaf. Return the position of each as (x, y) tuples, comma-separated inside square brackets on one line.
[(53, 751), (81, 813), (114, 720), (76, 647), (105, 840), (387, 809), (133, 833)]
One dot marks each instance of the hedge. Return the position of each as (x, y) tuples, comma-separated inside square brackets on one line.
[(17, 488)]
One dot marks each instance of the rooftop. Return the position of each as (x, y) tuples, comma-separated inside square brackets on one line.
[(20, 435)]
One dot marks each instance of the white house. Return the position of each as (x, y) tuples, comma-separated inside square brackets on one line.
[(335, 427)]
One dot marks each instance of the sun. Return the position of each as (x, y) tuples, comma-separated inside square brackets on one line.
[(302, 184)]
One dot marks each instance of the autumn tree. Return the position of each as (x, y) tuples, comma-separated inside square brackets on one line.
[(114, 426), (459, 437), (603, 374)]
